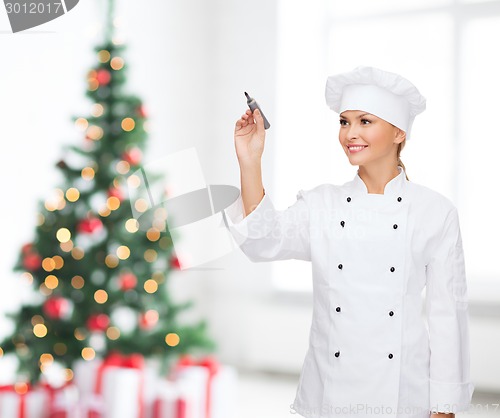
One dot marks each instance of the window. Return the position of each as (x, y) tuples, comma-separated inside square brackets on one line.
[(447, 48)]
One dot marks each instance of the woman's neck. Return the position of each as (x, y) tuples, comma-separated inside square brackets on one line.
[(375, 179)]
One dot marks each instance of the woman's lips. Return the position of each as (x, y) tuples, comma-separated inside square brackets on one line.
[(356, 148)]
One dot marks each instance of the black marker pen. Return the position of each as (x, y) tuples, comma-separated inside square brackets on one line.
[(252, 104)]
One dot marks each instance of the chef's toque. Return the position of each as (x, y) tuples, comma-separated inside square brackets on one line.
[(383, 94)]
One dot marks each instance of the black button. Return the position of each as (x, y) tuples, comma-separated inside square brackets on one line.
[(337, 354), (337, 308), (342, 223), (395, 226), (400, 199), (390, 356), (393, 269), (340, 266), (348, 199), (391, 313)]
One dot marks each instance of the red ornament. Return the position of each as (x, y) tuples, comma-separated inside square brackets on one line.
[(98, 322), (32, 261), (133, 156), (27, 248), (89, 226), (127, 281), (141, 111), (103, 77), (57, 307), (149, 319), (175, 263), (116, 192)]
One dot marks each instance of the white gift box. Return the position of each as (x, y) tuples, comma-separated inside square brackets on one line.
[(122, 389), (173, 401), (194, 380), (66, 400), (36, 404), (224, 393)]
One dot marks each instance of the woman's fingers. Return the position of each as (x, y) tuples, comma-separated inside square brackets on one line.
[(259, 120), (246, 119)]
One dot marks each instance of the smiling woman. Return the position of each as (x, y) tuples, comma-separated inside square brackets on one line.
[(373, 249)]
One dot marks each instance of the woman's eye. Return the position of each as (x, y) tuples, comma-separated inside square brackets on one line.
[(365, 121), (343, 122)]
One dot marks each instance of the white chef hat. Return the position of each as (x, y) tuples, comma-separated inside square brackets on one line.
[(383, 94)]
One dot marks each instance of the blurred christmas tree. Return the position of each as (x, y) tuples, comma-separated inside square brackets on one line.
[(99, 274)]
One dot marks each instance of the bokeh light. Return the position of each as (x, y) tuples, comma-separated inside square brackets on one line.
[(63, 235), (81, 124), (101, 296), (153, 234), (150, 286), (123, 167), (128, 124), (40, 330), (77, 253), (123, 252), (150, 255), (88, 173), (103, 56), (117, 63), (72, 194), (88, 353), (51, 282), (95, 132), (132, 225), (58, 261), (60, 349), (113, 203), (48, 264), (141, 205), (172, 339), (77, 282), (113, 333), (111, 261)]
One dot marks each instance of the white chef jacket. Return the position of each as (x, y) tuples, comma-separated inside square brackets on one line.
[(372, 351)]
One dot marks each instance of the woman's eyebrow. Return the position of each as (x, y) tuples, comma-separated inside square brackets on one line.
[(359, 117)]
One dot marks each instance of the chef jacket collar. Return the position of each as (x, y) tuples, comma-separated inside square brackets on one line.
[(393, 187)]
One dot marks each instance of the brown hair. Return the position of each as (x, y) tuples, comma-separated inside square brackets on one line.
[(400, 163)]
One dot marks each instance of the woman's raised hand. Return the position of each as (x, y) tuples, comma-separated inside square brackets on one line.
[(249, 138)]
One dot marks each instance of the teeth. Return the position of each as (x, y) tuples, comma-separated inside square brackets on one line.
[(356, 148)]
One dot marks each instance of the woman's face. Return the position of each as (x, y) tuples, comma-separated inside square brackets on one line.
[(368, 140)]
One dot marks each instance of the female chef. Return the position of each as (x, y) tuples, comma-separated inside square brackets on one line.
[(375, 243)]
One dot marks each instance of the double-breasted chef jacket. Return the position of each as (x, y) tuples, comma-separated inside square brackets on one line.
[(372, 350)]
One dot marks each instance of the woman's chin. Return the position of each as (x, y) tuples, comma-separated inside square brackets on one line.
[(354, 161)]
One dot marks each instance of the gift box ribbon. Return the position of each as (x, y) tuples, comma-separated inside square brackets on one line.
[(115, 359), (212, 365), (55, 410), (22, 398)]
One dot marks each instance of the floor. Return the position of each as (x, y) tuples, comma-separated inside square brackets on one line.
[(263, 395)]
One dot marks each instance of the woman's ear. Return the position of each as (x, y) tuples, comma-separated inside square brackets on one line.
[(400, 136)]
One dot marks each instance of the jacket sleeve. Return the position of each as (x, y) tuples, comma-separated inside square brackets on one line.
[(447, 317), (268, 234)]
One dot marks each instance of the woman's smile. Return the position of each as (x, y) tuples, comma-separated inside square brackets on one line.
[(356, 148)]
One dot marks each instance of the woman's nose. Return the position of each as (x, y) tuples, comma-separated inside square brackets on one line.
[(352, 133)]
